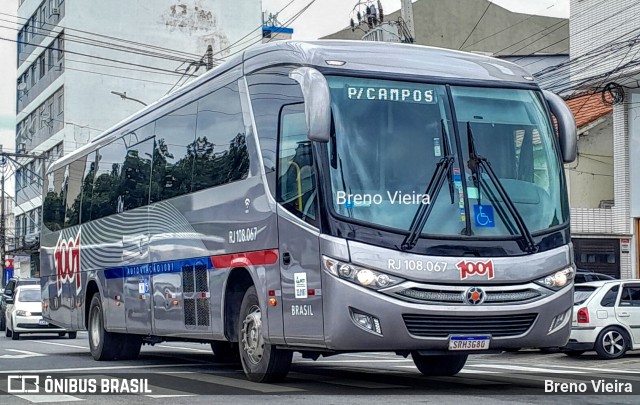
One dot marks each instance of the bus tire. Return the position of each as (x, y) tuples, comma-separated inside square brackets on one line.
[(104, 345), (7, 332), (15, 336), (440, 365), (225, 352), (131, 347), (261, 362)]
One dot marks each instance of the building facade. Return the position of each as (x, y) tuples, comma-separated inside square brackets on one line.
[(604, 49), (84, 66)]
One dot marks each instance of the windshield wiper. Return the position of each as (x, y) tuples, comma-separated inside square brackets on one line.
[(477, 162), (443, 170)]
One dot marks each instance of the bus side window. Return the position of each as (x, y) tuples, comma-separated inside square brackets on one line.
[(296, 173), (135, 176), (104, 200), (54, 202)]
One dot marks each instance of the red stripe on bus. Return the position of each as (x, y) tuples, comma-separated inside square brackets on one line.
[(257, 258)]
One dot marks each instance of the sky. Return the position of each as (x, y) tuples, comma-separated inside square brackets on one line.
[(322, 18)]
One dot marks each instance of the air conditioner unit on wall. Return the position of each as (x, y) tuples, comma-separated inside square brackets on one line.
[(55, 11)]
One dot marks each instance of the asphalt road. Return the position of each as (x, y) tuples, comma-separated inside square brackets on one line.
[(187, 373)]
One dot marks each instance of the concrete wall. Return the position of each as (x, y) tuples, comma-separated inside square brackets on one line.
[(502, 32), (591, 176)]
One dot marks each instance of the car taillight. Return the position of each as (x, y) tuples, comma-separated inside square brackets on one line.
[(583, 315)]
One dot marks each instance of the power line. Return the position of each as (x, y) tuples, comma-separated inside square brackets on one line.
[(109, 37), (97, 57), (476, 26)]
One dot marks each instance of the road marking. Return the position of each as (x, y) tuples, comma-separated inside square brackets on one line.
[(353, 361), (364, 384), (523, 368), (184, 348), (38, 399), (169, 396), (56, 370), (24, 354), (603, 370), (240, 383), (64, 344)]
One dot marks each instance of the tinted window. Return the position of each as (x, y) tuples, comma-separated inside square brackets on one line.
[(581, 294), (172, 154), (73, 194), (88, 178), (104, 200), (135, 176), (609, 298), (270, 90), (53, 206), (296, 176), (220, 148), (630, 297)]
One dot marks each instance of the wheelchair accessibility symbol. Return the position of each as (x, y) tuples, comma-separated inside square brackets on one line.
[(483, 215)]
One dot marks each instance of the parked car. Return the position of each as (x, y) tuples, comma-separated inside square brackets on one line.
[(606, 315), (585, 276), (24, 314), (8, 292)]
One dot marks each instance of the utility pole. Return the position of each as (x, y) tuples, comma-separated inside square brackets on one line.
[(209, 56), (407, 16), (4, 158), (3, 163)]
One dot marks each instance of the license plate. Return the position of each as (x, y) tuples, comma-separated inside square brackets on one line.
[(43, 322), (469, 342)]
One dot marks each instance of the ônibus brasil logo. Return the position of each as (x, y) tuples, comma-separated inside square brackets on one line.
[(469, 268), (66, 258)]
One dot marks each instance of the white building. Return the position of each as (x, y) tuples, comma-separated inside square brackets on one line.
[(604, 51), (73, 55)]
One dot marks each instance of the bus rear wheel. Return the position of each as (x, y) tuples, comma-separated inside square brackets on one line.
[(261, 362), (103, 345), (440, 365)]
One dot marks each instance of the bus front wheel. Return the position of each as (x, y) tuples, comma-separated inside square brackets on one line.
[(103, 345), (261, 362), (441, 365)]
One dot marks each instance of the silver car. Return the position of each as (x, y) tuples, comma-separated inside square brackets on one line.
[(606, 315)]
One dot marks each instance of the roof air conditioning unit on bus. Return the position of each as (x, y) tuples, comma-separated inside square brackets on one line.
[(55, 11)]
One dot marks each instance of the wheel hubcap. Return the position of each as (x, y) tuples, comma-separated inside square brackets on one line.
[(252, 341), (95, 327), (613, 342)]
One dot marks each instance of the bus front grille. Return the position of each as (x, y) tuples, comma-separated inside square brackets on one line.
[(492, 297), (441, 326)]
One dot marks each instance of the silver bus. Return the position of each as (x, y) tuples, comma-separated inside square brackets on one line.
[(321, 197)]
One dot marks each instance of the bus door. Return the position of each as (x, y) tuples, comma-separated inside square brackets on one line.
[(298, 231)]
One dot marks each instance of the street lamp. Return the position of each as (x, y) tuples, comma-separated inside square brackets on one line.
[(124, 96)]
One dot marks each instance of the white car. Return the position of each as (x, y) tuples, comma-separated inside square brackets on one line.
[(606, 318), (24, 314)]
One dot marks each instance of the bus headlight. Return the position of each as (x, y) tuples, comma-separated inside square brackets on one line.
[(559, 279), (359, 275)]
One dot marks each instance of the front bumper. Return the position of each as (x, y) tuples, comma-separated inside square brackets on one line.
[(31, 324), (342, 334)]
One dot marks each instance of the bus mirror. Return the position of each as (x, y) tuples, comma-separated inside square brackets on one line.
[(317, 102), (566, 126)]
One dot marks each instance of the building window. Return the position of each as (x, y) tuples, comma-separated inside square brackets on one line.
[(43, 65), (51, 5), (60, 103), (33, 75), (50, 58)]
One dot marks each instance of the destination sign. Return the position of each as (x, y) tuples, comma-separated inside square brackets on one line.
[(400, 94)]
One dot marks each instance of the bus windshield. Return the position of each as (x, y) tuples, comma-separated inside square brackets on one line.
[(390, 135)]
